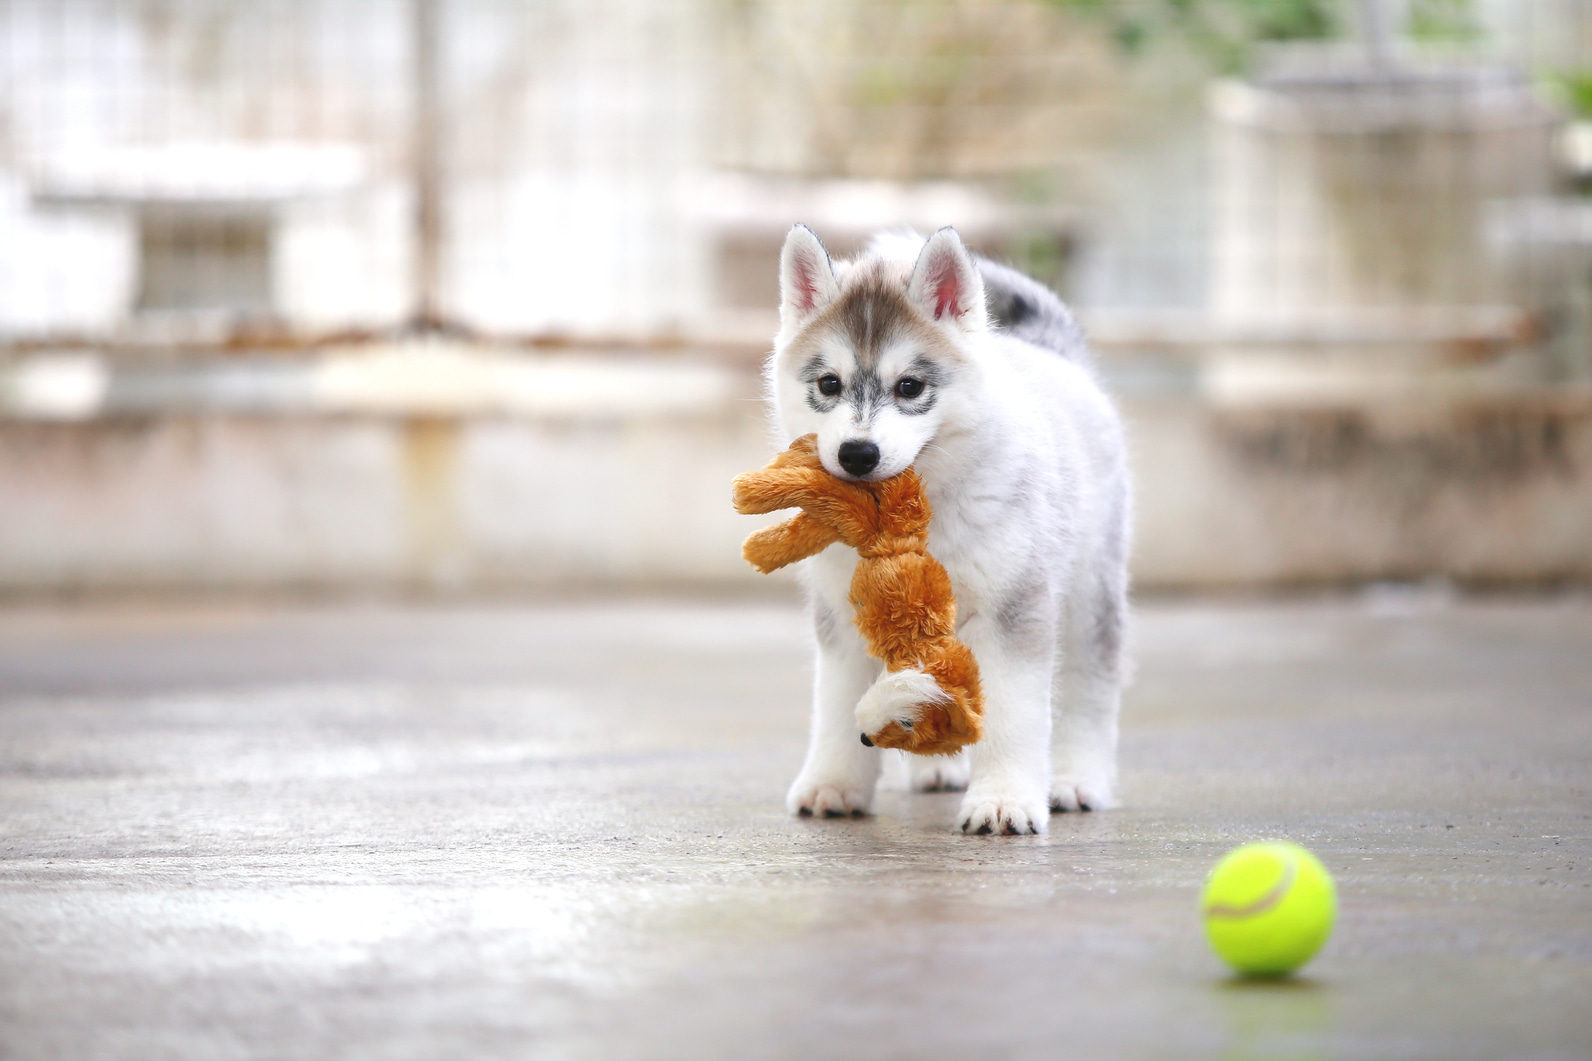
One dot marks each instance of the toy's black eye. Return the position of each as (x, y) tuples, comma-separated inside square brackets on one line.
[(829, 384), (909, 387)]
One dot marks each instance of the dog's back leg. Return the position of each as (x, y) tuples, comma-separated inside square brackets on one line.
[(1087, 694)]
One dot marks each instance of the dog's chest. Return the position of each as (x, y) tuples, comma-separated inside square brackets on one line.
[(969, 537)]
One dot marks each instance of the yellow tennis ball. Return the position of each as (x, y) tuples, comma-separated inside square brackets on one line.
[(1269, 907)]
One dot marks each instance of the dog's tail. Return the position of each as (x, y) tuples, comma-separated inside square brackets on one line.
[(1030, 311)]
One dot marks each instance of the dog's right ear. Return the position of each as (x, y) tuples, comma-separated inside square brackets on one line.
[(946, 284), (807, 281)]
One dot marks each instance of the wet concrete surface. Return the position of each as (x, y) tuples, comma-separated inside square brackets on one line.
[(554, 830)]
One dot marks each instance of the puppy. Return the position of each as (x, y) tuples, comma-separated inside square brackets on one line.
[(917, 354)]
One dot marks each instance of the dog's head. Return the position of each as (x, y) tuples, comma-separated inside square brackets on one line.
[(870, 354)]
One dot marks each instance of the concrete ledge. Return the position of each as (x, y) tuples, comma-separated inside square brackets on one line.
[(1487, 490), (505, 486), (224, 501)]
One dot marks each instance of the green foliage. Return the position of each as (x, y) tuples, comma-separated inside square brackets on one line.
[(1443, 21), (1289, 20), (1575, 89), (1225, 31)]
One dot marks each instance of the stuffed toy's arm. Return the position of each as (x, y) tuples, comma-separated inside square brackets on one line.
[(833, 509), (787, 479), (785, 543)]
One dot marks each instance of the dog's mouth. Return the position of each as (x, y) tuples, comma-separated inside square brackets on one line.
[(871, 477), (877, 474)]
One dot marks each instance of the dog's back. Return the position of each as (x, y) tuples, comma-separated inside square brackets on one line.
[(1028, 310), (1018, 304)]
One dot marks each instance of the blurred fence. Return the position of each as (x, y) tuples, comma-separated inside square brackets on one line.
[(196, 169)]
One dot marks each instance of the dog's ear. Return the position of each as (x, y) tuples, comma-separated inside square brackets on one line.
[(946, 284), (807, 281)]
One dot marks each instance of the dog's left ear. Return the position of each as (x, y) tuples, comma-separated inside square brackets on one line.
[(945, 282)]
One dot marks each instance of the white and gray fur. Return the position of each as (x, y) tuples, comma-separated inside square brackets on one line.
[(1022, 456)]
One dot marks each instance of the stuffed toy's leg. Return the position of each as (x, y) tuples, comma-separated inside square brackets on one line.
[(929, 701)]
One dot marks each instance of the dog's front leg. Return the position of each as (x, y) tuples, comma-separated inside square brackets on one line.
[(1010, 785), (840, 773)]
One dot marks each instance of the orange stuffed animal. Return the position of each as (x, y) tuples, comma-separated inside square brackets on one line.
[(902, 596)]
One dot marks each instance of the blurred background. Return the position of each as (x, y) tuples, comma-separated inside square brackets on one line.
[(465, 295)]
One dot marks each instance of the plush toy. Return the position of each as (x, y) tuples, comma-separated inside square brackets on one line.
[(902, 596)]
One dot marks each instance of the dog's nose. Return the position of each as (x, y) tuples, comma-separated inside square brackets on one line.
[(859, 458)]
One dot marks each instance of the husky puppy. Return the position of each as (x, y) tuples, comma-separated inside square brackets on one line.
[(893, 360)]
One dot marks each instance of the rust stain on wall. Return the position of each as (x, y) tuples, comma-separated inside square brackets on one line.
[(1492, 448), (430, 462)]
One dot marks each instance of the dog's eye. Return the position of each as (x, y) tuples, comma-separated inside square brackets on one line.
[(909, 387), (829, 384)]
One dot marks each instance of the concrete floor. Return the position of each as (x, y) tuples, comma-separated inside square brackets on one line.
[(555, 830)]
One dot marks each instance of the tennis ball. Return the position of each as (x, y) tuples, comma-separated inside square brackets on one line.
[(1269, 907)]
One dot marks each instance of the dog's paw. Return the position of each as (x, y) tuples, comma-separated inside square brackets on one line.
[(989, 811), (937, 773), (831, 799), (1074, 792)]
